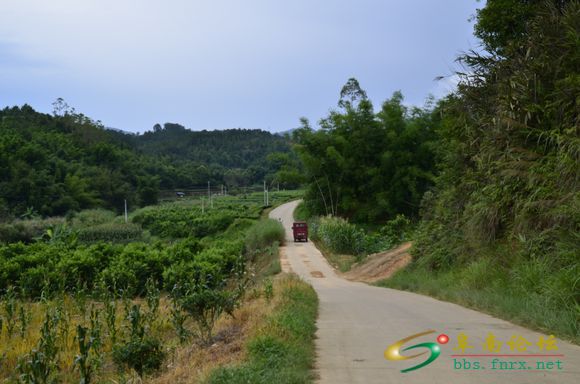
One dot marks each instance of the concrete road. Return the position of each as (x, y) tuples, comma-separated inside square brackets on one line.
[(357, 322)]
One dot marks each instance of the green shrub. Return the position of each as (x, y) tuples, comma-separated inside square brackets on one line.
[(301, 212), (111, 232), (284, 352), (92, 217), (338, 235), (27, 230), (144, 356), (263, 234), (174, 221)]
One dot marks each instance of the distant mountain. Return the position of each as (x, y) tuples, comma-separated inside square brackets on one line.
[(231, 148), (55, 164)]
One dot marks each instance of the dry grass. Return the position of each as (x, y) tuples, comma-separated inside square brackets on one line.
[(192, 363), (188, 363)]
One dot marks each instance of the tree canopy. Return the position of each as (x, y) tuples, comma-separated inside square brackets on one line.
[(53, 164), (364, 164)]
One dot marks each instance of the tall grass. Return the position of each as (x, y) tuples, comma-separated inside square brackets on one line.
[(528, 292), (301, 212), (27, 230), (263, 234), (283, 350), (115, 232), (338, 235), (90, 217)]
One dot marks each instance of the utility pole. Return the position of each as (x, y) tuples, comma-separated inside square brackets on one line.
[(265, 203), (202, 206), (126, 218)]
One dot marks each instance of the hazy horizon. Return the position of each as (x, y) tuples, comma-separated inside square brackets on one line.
[(252, 65)]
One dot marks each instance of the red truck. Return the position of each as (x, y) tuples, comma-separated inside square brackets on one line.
[(300, 231)]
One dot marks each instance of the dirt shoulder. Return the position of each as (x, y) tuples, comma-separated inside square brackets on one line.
[(379, 266)]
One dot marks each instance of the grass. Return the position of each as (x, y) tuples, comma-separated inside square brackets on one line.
[(73, 311), (264, 233), (301, 212), (342, 262), (516, 295), (282, 349)]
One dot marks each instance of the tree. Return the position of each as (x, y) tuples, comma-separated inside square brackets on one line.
[(365, 165)]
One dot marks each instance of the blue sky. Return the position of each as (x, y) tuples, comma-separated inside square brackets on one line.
[(219, 64)]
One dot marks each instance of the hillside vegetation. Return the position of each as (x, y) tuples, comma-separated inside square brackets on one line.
[(491, 178), (83, 303), (51, 165)]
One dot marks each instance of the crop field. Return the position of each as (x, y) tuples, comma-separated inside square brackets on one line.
[(90, 298)]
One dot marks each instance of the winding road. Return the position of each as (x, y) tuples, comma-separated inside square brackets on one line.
[(357, 322)]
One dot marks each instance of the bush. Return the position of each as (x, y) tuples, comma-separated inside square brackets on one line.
[(339, 236), (92, 217), (27, 230), (263, 234), (111, 232), (174, 221), (144, 356)]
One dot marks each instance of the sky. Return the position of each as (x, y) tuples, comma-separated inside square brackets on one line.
[(219, 64)]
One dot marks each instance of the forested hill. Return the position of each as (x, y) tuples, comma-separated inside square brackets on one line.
[(50, 165), (232, 148)]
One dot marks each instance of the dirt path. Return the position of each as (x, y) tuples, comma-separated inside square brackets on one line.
[(357, 322)]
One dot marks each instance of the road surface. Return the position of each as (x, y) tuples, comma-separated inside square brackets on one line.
[(357, 322)]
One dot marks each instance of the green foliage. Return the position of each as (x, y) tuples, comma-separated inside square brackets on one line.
[(301, 212), (542, 295), (396, 231), (116, 232), (208, 292), (364, 165), (82, 360), (338, 235), (284, 352), (174, 221), (501, 22), (140, 352), (92, 217), (41, 364), (263, 234), (509, 147), (143, 355), (54, 165), (268, 290), (503, 215), (27, 230)]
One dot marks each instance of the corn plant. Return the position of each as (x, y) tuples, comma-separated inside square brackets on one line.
[(111, 318), (95, 333), (40, 366), (178, 318), (24, 318), (153, 296), (141, 352), (10, 309), (35, 368), (268, 290), (136, 322), (83, 359)]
